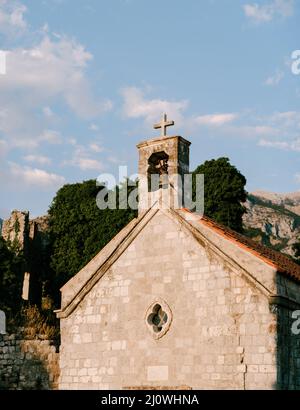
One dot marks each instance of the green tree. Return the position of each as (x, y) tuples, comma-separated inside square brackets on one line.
[(11, 279), (79, 229), (224, 188)]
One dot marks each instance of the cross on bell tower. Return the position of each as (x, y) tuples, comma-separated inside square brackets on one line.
[(168, 158), (163, 125)]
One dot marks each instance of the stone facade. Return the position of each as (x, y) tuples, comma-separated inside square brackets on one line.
[(223, 333), (28, 364)]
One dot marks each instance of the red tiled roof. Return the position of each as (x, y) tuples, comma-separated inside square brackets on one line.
[(277, 259)]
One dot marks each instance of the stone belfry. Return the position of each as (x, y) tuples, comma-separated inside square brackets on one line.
[(163, 162)]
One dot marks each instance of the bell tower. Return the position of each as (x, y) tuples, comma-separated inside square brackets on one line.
[(163, 162)]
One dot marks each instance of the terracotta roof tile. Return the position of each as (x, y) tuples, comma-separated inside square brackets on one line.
[(280, 261)]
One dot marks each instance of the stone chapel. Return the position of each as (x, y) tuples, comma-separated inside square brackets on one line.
[(176, 301)]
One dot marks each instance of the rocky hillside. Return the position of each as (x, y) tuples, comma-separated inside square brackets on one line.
[(290, 202), (274, 220)]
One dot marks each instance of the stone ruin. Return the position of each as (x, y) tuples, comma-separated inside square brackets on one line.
[(31, 237)]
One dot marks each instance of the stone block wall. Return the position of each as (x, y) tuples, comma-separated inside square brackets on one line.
[(222, 333), (28, 364)]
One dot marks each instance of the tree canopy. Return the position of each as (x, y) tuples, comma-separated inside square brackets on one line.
[(224, 192), (79, 229), (11, 278)]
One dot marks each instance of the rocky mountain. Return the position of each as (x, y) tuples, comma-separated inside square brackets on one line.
[(274, 219), (288, 201)]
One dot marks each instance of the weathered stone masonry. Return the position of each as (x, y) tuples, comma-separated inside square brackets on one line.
[(223, 333), (28, 364)]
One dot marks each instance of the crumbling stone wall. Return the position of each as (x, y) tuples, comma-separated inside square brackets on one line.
[(32, 238), (16, 229), (28, 364)]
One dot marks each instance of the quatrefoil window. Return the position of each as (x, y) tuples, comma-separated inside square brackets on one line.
[(158, 319)]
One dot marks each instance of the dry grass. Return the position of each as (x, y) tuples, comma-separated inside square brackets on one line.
[(36, 325)]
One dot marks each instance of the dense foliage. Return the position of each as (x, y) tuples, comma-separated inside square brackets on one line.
[(79, 229), (11, 278), (224, 192)]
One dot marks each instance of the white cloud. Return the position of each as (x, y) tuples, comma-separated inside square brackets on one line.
[(114, 160), (12, 17), (95, 147), (3, 148), (257, 131), (93, 127), (48, 112), (51, 137), (33, 177), (29, 142), (258, 13), (51, 70), (72, 141), (297, 177), (278, 126), (81, 158), (282, 145), (39, 159), (136, 105), (275, 79), (268, 11), (286, 126), (215, 120), (88, 164), (287, 119)]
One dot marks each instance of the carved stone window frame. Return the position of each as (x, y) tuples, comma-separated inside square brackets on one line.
[(166, 326)]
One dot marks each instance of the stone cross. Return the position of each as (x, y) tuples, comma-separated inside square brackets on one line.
[(163, 125)]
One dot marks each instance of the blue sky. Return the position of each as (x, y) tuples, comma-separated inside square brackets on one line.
[(86, 79)]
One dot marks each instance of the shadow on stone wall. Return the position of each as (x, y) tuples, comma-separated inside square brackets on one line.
[(28, 364), (288, 341), (288, 351)]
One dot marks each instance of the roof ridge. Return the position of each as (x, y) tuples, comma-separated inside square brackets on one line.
[(282, 262)]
